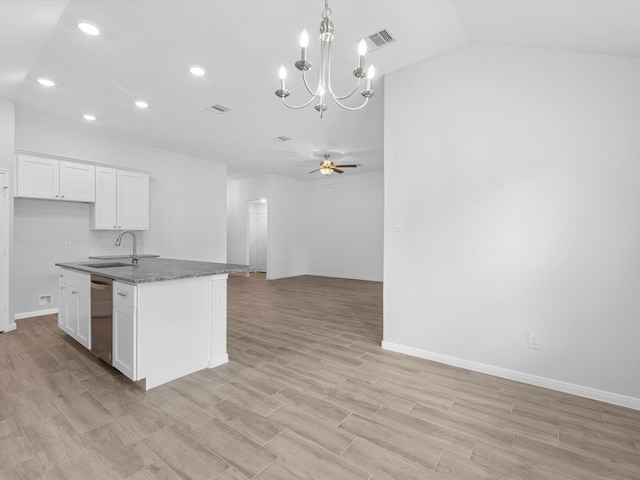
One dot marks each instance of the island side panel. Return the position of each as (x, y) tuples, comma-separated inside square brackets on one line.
[(218, 287), (173, 329)]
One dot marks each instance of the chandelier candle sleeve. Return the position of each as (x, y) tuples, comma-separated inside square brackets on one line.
[(372, 72), (362, 51), (282, 73), (304, 43)]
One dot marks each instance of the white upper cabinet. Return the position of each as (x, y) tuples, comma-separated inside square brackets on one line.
[(122, 200), (77, 182), (38, 177), (41, 177)]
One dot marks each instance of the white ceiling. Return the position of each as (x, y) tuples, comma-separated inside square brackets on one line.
[(147, 47)]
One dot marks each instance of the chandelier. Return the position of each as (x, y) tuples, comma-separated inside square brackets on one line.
[(324, 87)]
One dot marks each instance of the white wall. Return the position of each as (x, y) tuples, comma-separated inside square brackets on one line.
[(287, 254), (187, 200), (307, 219), (345, 226), (515, 172), (41, 229)]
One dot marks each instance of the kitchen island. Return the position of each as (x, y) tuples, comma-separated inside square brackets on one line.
[(169, 316)]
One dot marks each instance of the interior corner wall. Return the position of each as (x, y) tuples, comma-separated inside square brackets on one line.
[(188, 205), (7, 162), (287, 253), (345, 226), (515, 175), (239, 193)]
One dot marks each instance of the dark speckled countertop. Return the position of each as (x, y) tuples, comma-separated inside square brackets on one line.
[(154, 269)]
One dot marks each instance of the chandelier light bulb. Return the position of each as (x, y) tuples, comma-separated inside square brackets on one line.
[(197, 71), (89, 29), (371, 73), (282, 73), (46, 82), (304, 39), (362, 48)]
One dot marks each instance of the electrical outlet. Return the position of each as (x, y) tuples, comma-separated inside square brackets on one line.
[(67, 245), (534, 340)]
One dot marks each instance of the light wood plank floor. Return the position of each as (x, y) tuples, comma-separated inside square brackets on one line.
[(308, 394)]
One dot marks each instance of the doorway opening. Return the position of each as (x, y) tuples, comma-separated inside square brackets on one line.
[(257, 241)]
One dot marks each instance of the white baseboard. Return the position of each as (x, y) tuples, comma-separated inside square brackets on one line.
[(545, 382), (12, 326), (35, 313)]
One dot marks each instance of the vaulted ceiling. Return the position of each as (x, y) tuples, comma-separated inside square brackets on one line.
[(147, 47)]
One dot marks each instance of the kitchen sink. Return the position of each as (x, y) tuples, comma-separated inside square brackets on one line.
[(107, 265)]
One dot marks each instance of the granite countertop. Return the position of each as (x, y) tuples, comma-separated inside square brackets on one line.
[(152, 269)]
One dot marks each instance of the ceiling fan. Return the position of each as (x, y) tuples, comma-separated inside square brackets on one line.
[(327, 167)]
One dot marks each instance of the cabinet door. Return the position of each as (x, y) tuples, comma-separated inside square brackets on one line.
[(71, 317), (82, 303), (38, 177), (103, 212), (124, 339), (133, 200), (63, 306), (77, 182)]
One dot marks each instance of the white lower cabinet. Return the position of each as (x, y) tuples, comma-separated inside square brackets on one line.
[(125, 335), (74, 311)]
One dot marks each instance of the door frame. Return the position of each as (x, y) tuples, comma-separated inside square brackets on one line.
[(5, 321), (248, 232)]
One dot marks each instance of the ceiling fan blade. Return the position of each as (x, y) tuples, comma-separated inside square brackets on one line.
[(347, 166), (314, 171), (337, 170)]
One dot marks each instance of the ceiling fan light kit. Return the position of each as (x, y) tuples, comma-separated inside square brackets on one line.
[(327, 167), (324, 81)]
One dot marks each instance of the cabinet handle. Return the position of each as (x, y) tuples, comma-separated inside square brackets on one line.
[(122, 294), (56, 196), (61, 196), (74, 292), (61, 276), (115, 226)]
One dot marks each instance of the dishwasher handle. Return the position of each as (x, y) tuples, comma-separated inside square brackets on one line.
[(100, 286)]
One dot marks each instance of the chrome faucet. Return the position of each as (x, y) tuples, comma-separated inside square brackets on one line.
[(134, 257)]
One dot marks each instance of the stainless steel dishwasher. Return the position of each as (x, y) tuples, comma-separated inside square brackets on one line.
[(102, 317)]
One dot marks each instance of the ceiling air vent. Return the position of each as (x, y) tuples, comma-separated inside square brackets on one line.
[(219, 109), (380, 39), (282, 139)]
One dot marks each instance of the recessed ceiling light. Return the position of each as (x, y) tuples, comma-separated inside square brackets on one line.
[(46, 82), (197, 71), (89, 29), (141, 104), (89, 118)]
